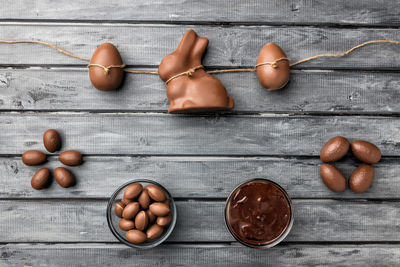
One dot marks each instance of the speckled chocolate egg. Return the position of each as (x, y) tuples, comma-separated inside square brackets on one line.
[(361, 178), (51, 140), (333, 178), (366, 151), (64, 177), (335, 149), (272, 76), (106, 55), (41, 179)]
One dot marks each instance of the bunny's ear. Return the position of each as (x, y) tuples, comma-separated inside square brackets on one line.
[(200, 47), (187, 42)]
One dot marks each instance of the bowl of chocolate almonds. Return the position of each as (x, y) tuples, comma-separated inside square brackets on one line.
[(141, 214)]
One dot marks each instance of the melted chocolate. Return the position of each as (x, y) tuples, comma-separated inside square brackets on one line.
[(258, 212)]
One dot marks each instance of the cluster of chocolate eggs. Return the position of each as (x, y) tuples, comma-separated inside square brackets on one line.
[(362, 177)]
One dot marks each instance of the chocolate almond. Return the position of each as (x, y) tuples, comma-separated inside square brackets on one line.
[(276, 75), (106, 55)]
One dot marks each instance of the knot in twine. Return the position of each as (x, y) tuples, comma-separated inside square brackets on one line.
[(188, 73), (108, 68), (273, 64)]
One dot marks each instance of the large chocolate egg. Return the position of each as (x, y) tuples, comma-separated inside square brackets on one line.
[(272, 76), (106, 55)]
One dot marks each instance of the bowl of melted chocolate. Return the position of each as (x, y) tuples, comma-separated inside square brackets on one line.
[(259, 213)]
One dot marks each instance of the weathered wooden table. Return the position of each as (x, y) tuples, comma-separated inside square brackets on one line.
[(127, 134)]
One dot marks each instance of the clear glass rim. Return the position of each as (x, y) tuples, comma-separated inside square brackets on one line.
[(281, 236), (118, 236)]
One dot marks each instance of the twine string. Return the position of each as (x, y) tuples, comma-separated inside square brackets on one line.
[(191, 71)]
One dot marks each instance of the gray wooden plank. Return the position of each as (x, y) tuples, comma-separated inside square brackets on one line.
[(198, 221), (165, 134), (194, 177), (308, 91), (229, 46), (258, 12), (198, 255)]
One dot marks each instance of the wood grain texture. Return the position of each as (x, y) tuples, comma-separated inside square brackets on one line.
[(195, 177), (341, 12), (85, 221), (308, 91), (165, 134), (199, 255), (229, 46)]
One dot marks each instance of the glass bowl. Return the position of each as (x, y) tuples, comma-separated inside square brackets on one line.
[(113, 219), (281, 235)]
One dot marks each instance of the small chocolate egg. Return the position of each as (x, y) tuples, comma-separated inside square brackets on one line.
[(144, 199), (33, 157), (151, 216), (141, 220), (63, 177), (272, 76), (159, 209), (70, 158), (126, 225), (333, 178), (156, 193), (335, 149), (51, 140), (130, 210), (132, 191), (154, 231), (164, 221), (119, 208), (136, 236), (41, 179), (366, 151), (361, 178), (106, 55)]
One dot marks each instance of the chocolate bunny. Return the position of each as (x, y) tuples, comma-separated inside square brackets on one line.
[(189, 88)]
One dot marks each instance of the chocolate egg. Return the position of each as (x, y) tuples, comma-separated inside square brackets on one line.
[(141, 220), (335, 149), (63, 177), (366, 151), (33, 157), (126, 225), (70, 158), (159, 209), (275, 75), (106, 55), (51, 140), (119, 208), (41, 179), (132, 191), (333, 178), (130, 210), (154, 231), (136, 236), (164, 221), (156, 193), (126, 201), (362, 178), (144, 199), (151, 216)]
